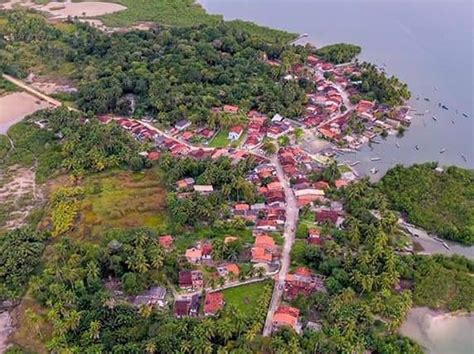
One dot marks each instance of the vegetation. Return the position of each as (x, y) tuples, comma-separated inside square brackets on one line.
[(70, 145), (375, 85), (121, 199), (441, 282), (20, 254), (228, 182), (171, 73), (441, 203), (339, 53), (246, 298), (164, 12)]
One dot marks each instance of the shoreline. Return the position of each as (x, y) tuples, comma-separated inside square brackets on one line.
[(439, 332)]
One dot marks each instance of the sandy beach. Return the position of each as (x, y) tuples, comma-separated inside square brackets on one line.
[(68, 8), (440, 332), (16, 106)]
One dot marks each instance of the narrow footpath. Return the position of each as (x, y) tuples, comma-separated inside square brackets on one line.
[(289, 236)]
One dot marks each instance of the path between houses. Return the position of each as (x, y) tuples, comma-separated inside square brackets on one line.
[(289, 235)]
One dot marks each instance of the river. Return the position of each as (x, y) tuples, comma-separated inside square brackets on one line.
[(427, 44)]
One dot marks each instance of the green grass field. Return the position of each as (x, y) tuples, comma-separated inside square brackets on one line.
[(245, 297), (121, 200), (220, 140), (165, 12)]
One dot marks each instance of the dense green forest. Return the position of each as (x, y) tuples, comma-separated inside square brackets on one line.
[(339, 53), (375, 85), (440, 202), (171, 73), (20, 254), (70, 144), (184, 13)]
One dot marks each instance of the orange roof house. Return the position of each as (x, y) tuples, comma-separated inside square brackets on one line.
[(286, 316), (261, 255), (231, 109), (213, 303), (264, 240), (233, 268), (193, 255), (166, 241)]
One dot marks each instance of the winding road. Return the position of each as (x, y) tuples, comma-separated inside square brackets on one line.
[(289, 235)]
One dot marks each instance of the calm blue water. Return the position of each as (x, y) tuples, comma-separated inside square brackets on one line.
[(428, 44)]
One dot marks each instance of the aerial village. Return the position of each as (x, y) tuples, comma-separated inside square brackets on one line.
[(329, 115)]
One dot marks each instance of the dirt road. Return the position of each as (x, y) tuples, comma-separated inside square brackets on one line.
[(289, 235)]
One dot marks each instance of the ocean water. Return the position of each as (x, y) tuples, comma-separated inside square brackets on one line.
[(426, 43)]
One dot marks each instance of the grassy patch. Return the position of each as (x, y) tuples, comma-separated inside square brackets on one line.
[(220, 140), (246, 297), (4, 146), (6, 86), (121, 200), (165, 12)]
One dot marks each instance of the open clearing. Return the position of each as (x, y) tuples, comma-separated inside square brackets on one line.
[(121, 200), (16, 106), (17, 192), (245, 297), (64, 9)]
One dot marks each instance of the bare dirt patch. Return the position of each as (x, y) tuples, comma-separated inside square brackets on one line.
[(18, 196), (16, 106), (68, 8)]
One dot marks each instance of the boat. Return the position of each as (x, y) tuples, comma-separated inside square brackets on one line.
[(373, 170), (442, 150), (452, 121), (427, 99), (464, 157), (445, 245), (419, 114), (434, 118), (355, 163), (427, 111), (417, 147), (444, 107), (465, 114), (375, 159), (397, 145)]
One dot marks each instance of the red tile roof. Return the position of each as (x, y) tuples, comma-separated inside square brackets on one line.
[(213, 303)]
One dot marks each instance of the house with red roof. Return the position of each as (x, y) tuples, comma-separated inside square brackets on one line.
[(302, 282), (166, 241), (231, 109), (286, 316), (235, 132), (213, 303), (330, 216)]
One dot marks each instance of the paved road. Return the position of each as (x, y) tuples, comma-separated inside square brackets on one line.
[(289, 235)]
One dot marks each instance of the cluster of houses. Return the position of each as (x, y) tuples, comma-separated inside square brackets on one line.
[(330, 112)]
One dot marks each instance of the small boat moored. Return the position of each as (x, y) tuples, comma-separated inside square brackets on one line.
[(427, 99), (465, 114), (434, 118), (442, 150), (417, 147), (373, 170), (375, 159), (444, 107)]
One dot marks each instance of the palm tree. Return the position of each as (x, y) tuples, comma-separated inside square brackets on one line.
[(150, 347), (94, 330)]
